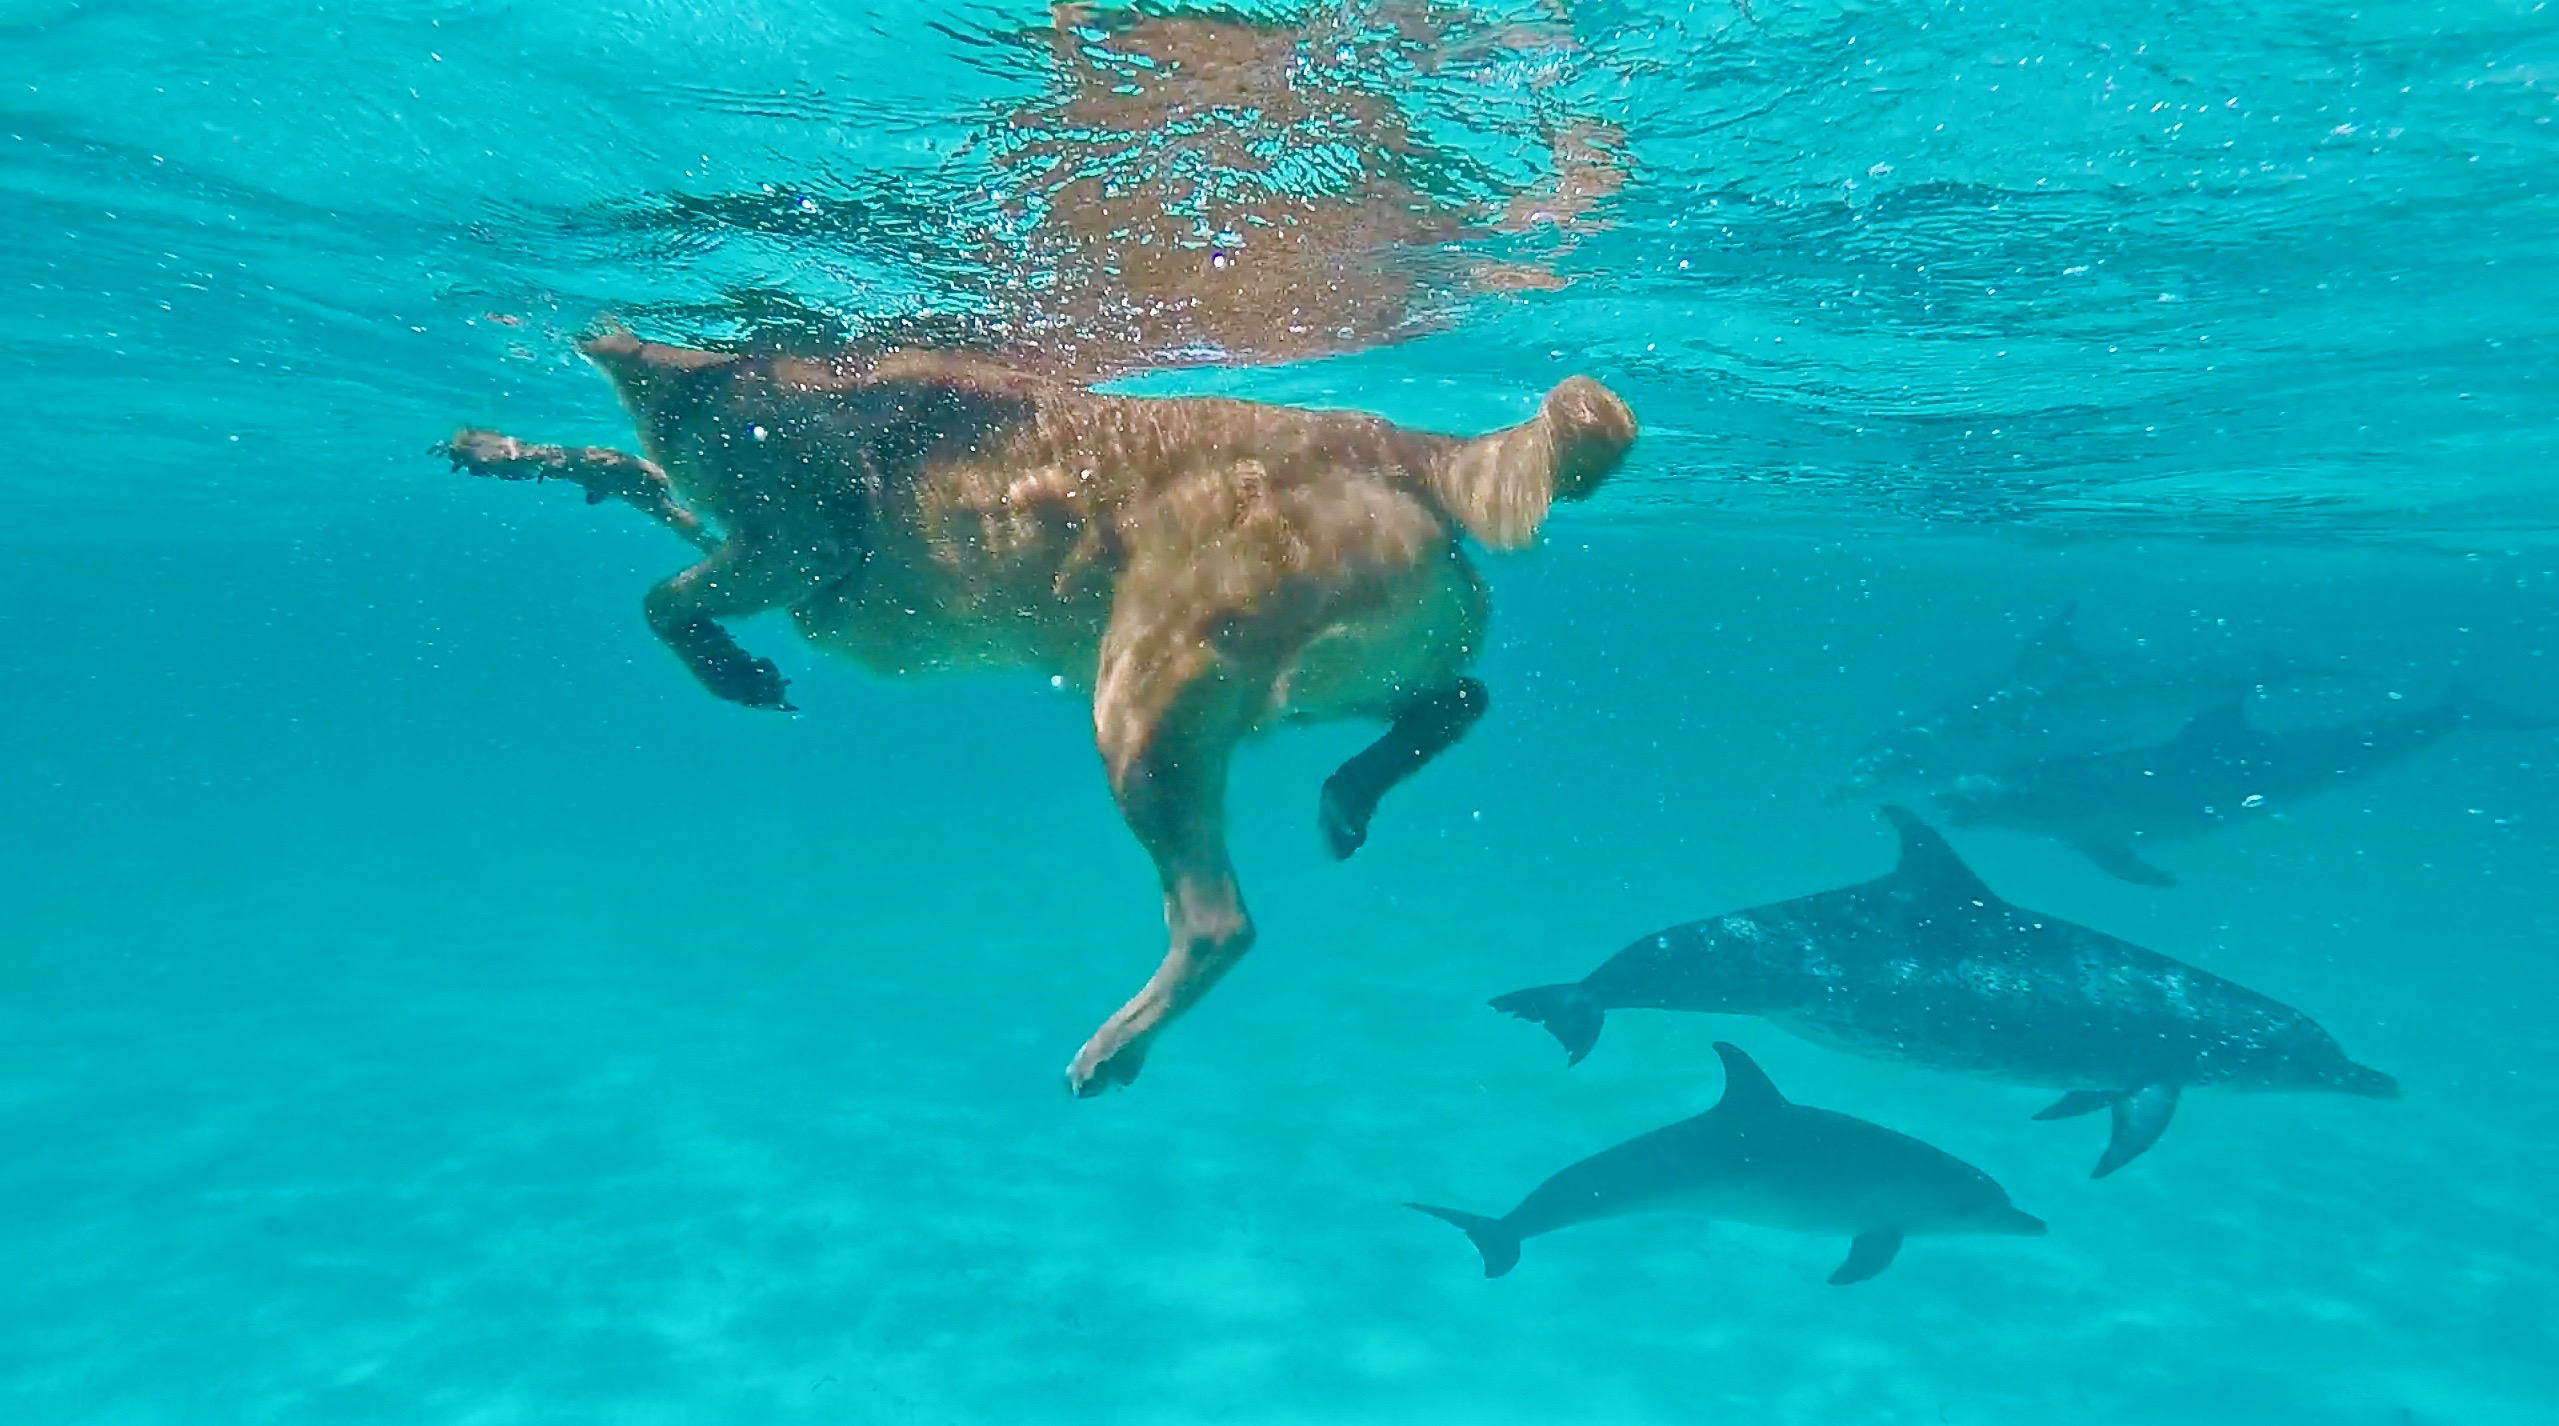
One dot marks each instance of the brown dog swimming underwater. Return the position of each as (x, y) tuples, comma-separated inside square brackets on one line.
[(1205, 568)]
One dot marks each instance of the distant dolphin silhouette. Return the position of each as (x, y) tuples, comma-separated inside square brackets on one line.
[(1927, 965), (2220, 768), (2058, 699), (1756, 1158)]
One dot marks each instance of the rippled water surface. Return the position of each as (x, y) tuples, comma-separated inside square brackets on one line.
[(420, 1002), (2264, 268)]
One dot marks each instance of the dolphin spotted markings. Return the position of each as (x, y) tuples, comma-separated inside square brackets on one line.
[(1757, 1158), (1927, 965)]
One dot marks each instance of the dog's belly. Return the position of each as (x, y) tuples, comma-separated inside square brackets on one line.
[(894, 628), (921, 606), (1414, 641)]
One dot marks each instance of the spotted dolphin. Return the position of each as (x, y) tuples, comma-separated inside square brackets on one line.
[(2058, 698), (2220, 768), (1927, 965), (1758, 1158)]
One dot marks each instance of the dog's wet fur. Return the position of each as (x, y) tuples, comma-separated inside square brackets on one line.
[(1205, 568)]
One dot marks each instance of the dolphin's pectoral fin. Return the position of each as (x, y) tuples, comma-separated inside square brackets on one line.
[(2140, 1118), (1870, 1253), (2120, 861), (2076, 1103)]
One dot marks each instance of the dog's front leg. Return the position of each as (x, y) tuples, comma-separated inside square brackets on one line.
[(740, 578), (604, 473)]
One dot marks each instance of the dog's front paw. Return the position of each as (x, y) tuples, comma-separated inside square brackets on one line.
[(483, 452), (1343, 816), (722, 667)]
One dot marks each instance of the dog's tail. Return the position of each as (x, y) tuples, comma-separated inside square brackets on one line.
[(1500, 485)]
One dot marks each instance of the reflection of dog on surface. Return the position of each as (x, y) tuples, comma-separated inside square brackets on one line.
[(1206, 568), (1178, 203)]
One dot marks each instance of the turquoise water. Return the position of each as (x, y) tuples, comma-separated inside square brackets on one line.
[(420, 1002)]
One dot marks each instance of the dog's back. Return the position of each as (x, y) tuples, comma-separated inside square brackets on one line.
[(968, 514)]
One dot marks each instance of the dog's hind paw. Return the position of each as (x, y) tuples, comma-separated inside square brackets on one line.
[(1343, 818), (1098, 1069)]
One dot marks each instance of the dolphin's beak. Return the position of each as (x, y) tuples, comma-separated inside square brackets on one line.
[(2024, 1225)]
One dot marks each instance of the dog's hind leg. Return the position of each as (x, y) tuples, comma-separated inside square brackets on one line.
[(1174, 696), (604, 473), (1422, 730), (739, 578)]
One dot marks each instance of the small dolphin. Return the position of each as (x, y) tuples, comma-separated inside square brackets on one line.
[(2220, 768), (2058, 699), (1927, 965), (1755, 1158)]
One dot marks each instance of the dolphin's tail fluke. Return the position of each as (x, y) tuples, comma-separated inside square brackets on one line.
[(1491, 1236), (1569, 1012), (2364, 1080)]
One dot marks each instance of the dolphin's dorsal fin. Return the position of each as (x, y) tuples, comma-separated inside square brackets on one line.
[(2221, 724), (1929, 866), (1747, 1089)]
